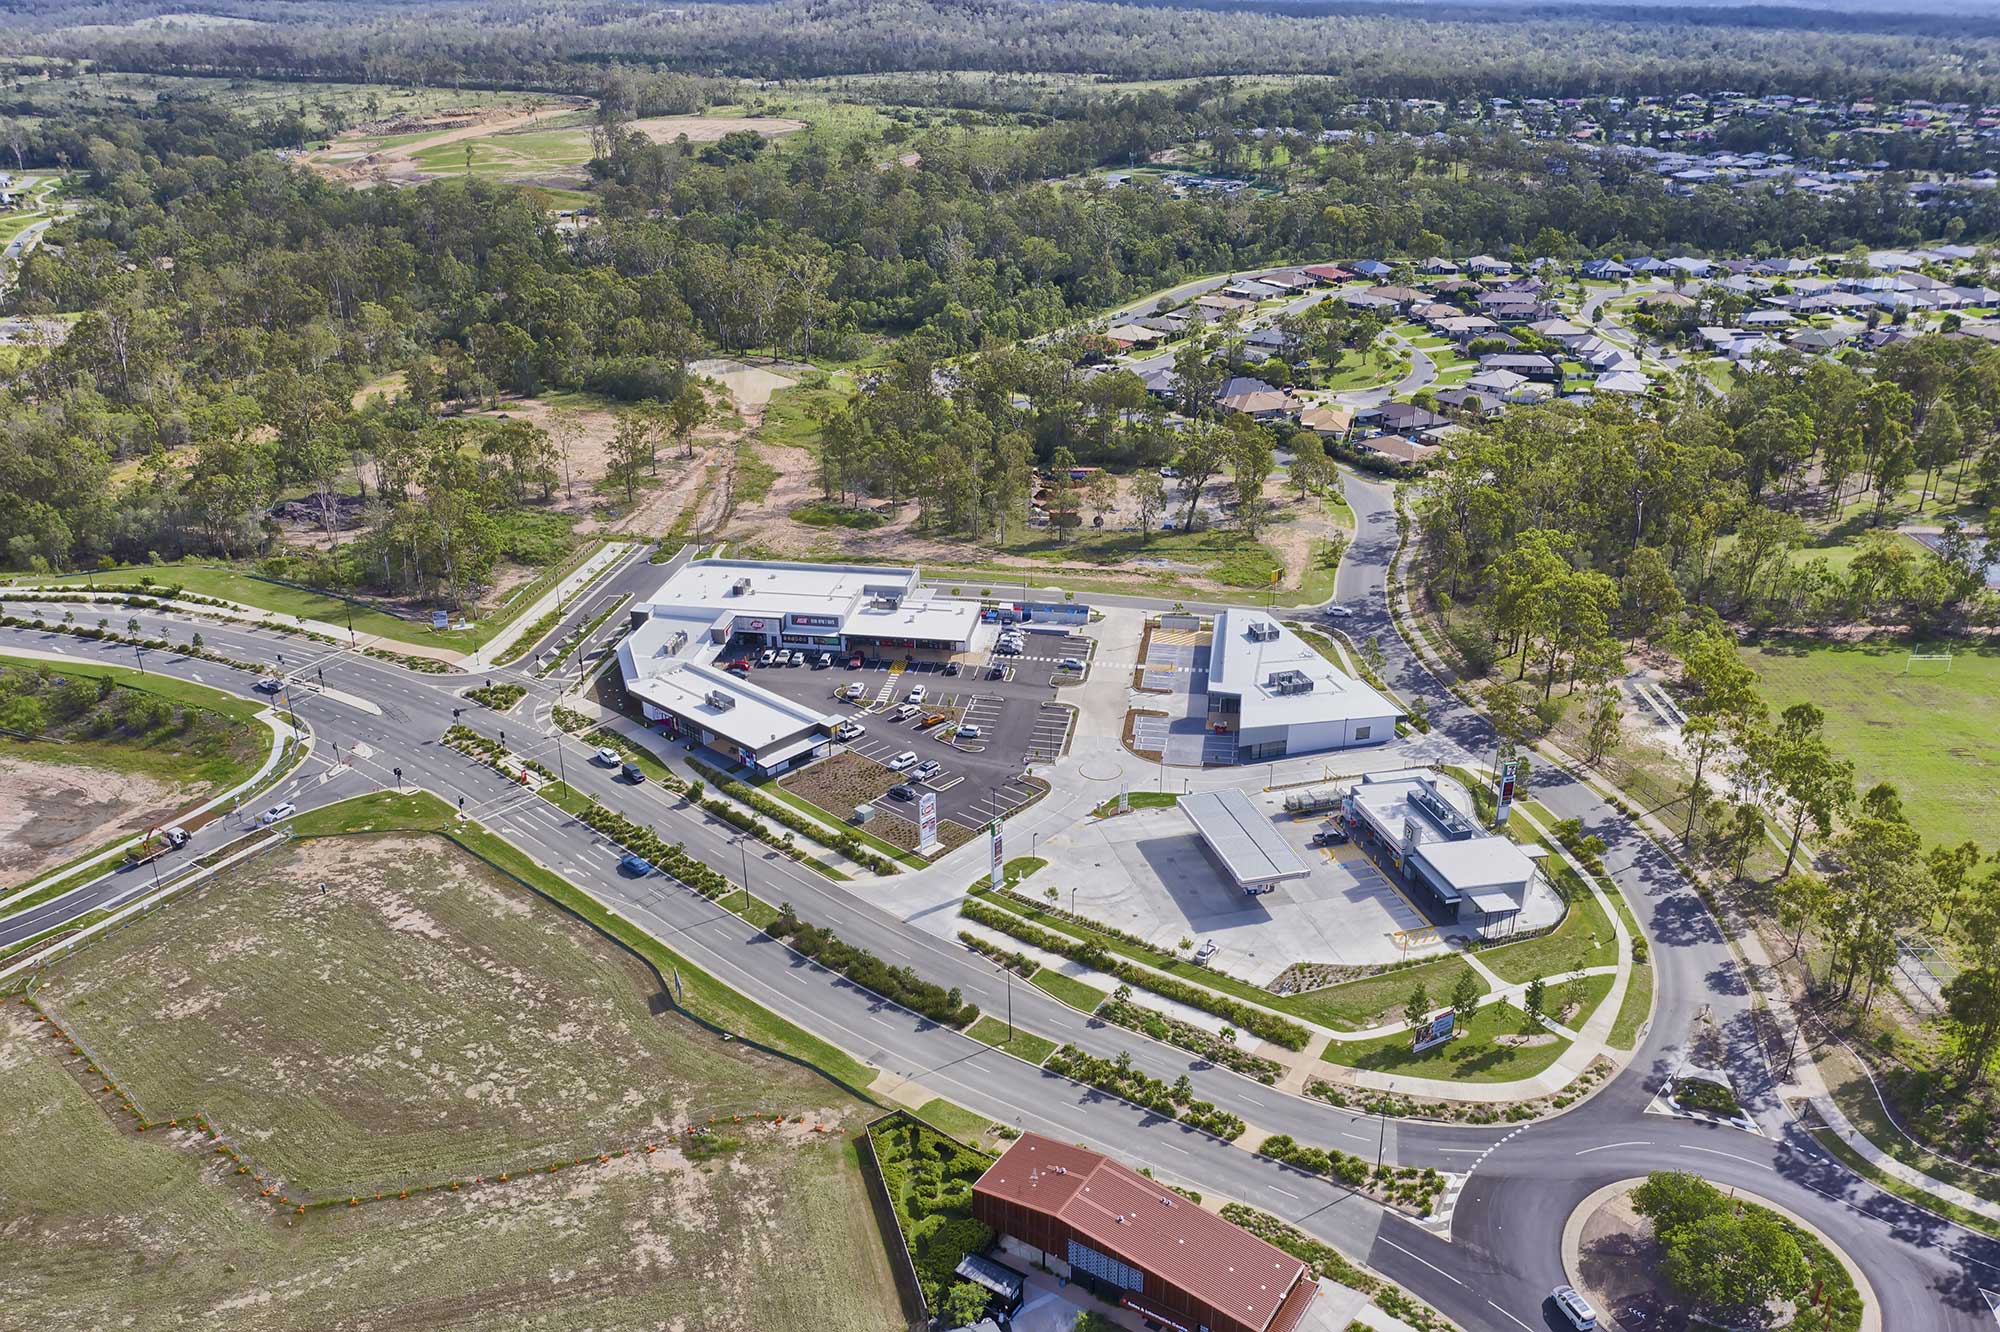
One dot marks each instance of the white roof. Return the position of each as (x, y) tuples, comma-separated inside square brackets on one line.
[(1478, 862), (757, 718), (1244, 666), (876, 601), (1242, 837)]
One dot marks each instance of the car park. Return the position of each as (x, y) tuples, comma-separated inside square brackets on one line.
[(906, 759), (276, 812), (1574, 1308), (767, 656), (915, 695), (609, 757), (902, 791)]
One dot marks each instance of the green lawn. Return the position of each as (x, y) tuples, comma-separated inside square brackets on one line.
[(1359, 370), (993, 1031), (233, 584), (1068, 989), (1583, 939), (1472, 1057), (1634, 1011), (1933, 733), (794, 416)]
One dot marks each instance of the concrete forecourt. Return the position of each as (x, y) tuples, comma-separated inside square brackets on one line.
[(374, 725)]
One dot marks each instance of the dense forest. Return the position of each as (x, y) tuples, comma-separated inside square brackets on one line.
[(1459, 51)]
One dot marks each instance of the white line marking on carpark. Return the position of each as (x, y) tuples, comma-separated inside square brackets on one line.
[(1425, 1261), (1605, 1147)]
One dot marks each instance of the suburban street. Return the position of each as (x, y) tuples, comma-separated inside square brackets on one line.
[(1502, 1253)]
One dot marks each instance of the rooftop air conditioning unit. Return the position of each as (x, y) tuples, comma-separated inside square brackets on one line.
[(1289, 682), (739, 587), (721, 701), (1263, 631)]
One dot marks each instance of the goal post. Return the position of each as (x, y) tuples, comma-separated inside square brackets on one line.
[(1928, 659)]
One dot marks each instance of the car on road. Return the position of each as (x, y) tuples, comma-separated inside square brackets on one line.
[(915, 695), (284, 810), (609, 757), (1072, 664), (906, 759), (967, 732), (270, 684), (635, 865), (767, 656), (632, 773), (1338, 613), (1574, 1308), (926, 770), (902, 791)]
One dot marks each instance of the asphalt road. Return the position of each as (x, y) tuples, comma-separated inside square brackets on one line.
[(1503, 1253)]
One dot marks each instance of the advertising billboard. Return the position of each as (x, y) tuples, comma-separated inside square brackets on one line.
[(813, 621), (440, 619), (1507, 771), (927, 819), (1435, 1032), (997, 856)]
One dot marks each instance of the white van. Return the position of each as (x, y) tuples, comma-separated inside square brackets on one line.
[(1575, 1308)]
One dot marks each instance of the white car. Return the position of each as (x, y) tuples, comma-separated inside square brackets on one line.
[(1575, 1308), (798, 658), (767, 656), (276, 812), (609, 757), (915, 695), (1072, 663), (923, 772), (968, 732), (849, 731), (825, 660), (903, 760), (1338, 613), (851, 692)]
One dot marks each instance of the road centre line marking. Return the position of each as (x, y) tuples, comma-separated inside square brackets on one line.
[(1287, 1192), (1689, 1147), (1607, 1146), (1426, 1262)]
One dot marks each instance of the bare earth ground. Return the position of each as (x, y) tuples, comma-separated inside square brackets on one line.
[(707, 129), (50, 813), (355, 160), (424, 1016)]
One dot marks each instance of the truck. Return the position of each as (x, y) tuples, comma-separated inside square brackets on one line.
[(157, 843), (1312, 801)]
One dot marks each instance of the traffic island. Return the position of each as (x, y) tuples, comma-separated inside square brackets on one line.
[(1651, 1254)]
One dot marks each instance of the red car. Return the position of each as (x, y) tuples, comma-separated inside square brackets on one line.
[(854, 662)]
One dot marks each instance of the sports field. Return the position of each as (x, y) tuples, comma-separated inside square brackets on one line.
[(420, 1021), (1934, 733)]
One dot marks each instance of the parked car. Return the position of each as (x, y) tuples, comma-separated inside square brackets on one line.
[(904, 712), (951, 668), (854, 662), (851, 692), (916, 695), (1574, 1308), (276, 812), (967, 732), (1007, 649), (740, 672), (1328, 837), (902, 791), (824, 660), (798, 658), (767, 656), (609, 757), (849, 731), (1073, 664), (932, 719), (924, 771), (1205, 952), (740, 662), (904, 760), (996, 672)]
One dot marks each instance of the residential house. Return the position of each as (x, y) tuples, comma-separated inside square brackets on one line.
[(1289, 279), (1403, 418), (1472, 401), (1500, 383), (1254, 398), (1559, 330), (1817, 341), (1606, 270), (1767, 319), (1525, 364), (1622, 381), (1326, 273), (1438, 268), (1667, 300), (1161, 383), (1372, 268), (1485, 265), (1327, 420), (1400, 297), (1364, 300), (1217, 304), (1467, 328), (1432, 311), (1251, 290), (1510, 307), (1128, 336), (1397, 449)]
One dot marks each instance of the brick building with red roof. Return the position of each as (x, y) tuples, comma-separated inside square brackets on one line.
[(1135, 1243)]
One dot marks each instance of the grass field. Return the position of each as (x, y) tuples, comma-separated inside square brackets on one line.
[(425, 1019), (1934, 734), (1476, 1056)]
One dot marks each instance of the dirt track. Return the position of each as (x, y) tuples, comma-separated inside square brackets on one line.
[(398, 163)]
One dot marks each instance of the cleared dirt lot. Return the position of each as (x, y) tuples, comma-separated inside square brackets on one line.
[(423, 1019), (50, 813)]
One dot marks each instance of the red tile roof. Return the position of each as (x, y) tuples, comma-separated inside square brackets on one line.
[(1131, 1218)]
